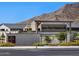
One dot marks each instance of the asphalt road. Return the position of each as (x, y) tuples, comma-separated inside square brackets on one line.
[(40, 52)]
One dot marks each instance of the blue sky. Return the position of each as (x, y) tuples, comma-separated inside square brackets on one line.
[(13, 12)]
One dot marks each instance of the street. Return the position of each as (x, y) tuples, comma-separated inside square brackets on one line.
[(40, 52)]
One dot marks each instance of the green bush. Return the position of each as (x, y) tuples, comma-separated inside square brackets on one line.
[(76, 36), (62, 36), (6, 44), (47, 39)]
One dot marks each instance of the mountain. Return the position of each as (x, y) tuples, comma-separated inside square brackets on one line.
[(66, 13), (25, 22)]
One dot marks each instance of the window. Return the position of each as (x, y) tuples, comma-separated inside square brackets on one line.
[(53, 27), (2, 29), (6, 29)]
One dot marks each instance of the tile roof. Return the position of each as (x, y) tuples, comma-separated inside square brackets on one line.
[(20, 26)]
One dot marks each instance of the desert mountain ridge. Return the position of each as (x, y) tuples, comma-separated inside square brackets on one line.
[(68, 12)]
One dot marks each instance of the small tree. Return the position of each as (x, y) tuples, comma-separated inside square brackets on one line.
[(2, 37), (74, 35), (61, 36), (47, 39)]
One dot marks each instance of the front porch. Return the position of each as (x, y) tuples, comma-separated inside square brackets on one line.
[(52, 29)]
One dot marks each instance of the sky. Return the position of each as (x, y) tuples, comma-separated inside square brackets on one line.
[(14, 12)]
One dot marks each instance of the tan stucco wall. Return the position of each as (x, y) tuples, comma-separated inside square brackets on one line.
[(33, 26)]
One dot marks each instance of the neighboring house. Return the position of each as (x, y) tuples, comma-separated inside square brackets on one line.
[(10, 29), (27, 27), (30, 25)]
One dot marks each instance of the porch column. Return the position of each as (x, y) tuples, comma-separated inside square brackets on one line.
[(70, 30), (41, 38), (5, 37), (36, 27), (37, 24), (69, 33), (66, 32)]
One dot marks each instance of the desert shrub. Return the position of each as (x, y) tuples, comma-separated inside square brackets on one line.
[(44, 44), (65, 44), (7, 44), (50, 44), (76, 36), (74, 43), (38, 44), (47, 39)]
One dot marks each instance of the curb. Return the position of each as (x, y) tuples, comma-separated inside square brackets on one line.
[(39, 47)]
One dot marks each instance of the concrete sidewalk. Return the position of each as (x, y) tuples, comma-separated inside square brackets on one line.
[(34, 47)]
